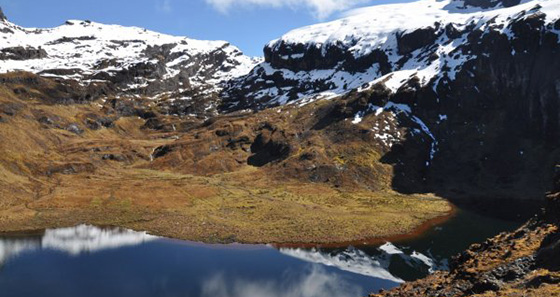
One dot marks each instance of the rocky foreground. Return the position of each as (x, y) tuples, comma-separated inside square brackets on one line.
[(523, 263)]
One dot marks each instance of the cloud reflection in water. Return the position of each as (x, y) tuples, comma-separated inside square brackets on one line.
[(316, 282)]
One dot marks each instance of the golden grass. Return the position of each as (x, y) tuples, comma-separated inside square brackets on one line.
[(239, 202)]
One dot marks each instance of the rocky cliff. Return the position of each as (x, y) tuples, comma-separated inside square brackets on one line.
[(473, 83)]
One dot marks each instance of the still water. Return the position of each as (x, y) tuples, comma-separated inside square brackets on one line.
[(90, 261)]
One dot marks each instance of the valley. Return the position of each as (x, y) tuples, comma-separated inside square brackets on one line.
[(386, 126)]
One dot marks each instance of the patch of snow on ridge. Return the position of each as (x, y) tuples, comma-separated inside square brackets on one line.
[(385, 134), (371, 28), (378, 28)]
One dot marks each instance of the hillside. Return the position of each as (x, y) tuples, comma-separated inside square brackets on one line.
[(180, 74), (358, 129), (473, 83)]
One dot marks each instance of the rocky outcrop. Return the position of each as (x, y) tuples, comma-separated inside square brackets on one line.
[(270, 145), (521, 263), (22, 53)]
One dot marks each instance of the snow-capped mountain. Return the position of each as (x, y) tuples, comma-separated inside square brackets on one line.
[(428, 40), (132, 60), (465, 93)]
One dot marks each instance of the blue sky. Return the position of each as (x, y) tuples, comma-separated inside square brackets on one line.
[(248, 24)]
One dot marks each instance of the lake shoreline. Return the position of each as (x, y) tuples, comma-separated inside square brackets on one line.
[(416, 232)]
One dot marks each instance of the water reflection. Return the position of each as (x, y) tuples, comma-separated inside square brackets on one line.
[(376, 263), (90, 261), (84, 238), (316, 282), (73, 241)]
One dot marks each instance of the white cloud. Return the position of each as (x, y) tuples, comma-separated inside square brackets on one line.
[(320, 8), (163, 5)]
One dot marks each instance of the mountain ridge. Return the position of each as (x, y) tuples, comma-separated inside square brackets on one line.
[(129, 61)]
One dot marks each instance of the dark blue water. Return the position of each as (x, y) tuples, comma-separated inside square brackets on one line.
[(88, 261)]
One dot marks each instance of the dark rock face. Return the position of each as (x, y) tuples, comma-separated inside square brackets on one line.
[(270, 145), (410, 42), (485, 4), (496, 124), (301, 57), (22, 53), (501, 134)]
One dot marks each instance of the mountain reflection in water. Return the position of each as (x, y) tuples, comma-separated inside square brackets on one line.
[(115, 262), (74, 241), (89, 261)]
